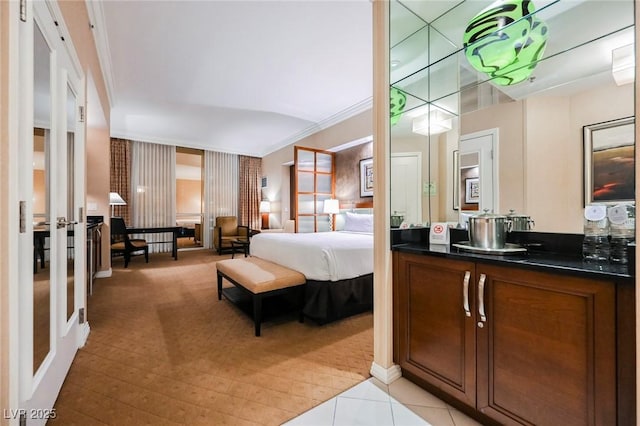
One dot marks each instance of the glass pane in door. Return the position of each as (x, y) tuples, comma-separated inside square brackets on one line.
[(41, 206), (71, 227)]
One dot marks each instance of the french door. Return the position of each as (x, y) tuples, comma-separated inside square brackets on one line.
[(51, 238)]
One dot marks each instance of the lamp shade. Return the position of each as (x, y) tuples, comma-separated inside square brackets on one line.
[(505, 41), (116, 200), (331, 206), (265, 207)]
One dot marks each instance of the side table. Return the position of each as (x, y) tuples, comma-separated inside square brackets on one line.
[(242, 245)]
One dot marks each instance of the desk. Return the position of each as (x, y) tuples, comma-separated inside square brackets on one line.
[(174, 230)]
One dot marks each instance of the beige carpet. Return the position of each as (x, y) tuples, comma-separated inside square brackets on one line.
[(164, 350)]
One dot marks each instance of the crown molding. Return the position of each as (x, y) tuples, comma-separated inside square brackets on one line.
[(321, 125), (98, 26)]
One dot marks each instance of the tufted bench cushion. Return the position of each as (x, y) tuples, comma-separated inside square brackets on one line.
[(259, 278)]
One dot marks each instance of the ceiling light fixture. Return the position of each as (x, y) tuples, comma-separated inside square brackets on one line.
[(623, 64), (437, 121)]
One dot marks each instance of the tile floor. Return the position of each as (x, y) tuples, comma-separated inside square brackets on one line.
[(371, 402)]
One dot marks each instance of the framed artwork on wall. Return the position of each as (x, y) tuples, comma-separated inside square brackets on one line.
[(366, 177), (609, 165), (472, 191)]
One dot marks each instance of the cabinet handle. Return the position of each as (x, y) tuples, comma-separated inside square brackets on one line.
[(465, 292), (483, 317)]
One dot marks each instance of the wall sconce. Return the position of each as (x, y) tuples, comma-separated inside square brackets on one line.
[(265, 209), (437, 121), (115, 200), (623, 65), (331, 206)]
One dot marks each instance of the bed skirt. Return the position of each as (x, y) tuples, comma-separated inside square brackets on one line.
[(327, 301)]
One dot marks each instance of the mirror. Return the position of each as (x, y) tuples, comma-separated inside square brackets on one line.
[(71, 124), (537, 157), (41, 196)]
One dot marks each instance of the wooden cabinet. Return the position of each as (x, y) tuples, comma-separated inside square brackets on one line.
[(505, 344)]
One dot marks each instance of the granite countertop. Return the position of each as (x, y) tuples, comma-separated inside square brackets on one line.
[(550, 253)]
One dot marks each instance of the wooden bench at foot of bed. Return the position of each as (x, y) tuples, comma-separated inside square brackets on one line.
[(260, 278)]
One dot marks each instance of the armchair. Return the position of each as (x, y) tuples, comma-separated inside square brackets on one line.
[(227, 230), (122, 244)]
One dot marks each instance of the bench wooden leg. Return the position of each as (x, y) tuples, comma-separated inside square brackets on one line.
[(219, 286), (301, 303), (257, 312)]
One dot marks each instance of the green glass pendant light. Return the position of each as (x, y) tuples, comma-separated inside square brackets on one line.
[(506, 41), (398, 100)]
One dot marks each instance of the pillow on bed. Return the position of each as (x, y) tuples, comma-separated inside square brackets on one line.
[(358, 222)]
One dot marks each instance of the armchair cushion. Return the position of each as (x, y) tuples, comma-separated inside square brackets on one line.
[(227, 230)]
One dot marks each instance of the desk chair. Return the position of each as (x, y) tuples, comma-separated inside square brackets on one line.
[(121, 244)]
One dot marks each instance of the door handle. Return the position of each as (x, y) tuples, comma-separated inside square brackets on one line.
[(62, 222), (465, 293), (483, 317)]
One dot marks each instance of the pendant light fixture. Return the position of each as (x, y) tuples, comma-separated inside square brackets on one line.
[(505, 41)]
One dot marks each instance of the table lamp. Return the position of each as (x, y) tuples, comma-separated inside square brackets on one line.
[(331, 206), (115, 200), (265, 209)]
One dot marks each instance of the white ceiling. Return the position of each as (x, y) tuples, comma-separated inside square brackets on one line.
[(246, 77)]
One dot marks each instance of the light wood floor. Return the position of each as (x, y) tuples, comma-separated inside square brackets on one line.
[(164, 350)]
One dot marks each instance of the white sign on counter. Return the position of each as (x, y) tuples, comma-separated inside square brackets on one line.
[(439, 233)]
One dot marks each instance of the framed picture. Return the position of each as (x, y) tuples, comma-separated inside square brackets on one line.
[(609, 152), (366, 177), (472, 191)]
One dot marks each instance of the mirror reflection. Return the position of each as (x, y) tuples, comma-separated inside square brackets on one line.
[(41, 213), (71, 122), (536, 163)]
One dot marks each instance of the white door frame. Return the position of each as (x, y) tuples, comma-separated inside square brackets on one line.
[(487, 156)]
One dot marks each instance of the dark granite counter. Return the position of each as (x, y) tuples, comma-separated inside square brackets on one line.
[(557, 253)]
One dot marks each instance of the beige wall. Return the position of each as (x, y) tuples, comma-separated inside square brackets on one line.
[(97, 183), (509, 119), (540, 151), (348, 174), (97, 154), (277, 172), (188, 196)]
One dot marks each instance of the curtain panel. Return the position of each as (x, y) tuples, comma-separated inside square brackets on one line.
[(250, 191), (153, 190), (220, 191), (120, 176)]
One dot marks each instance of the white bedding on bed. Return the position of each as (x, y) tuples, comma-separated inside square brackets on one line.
[(322, 256)]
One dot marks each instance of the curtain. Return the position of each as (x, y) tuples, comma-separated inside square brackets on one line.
[(153, 190), (250, 174), (220, 191), (120, 178)]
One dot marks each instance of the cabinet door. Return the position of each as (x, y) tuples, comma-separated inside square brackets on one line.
[(434, 336), (546, 352)]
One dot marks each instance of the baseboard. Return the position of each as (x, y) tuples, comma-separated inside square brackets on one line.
[(386, 375), (104, 274), (84, 334)]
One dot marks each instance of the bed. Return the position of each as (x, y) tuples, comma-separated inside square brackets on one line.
[(338, 267)]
